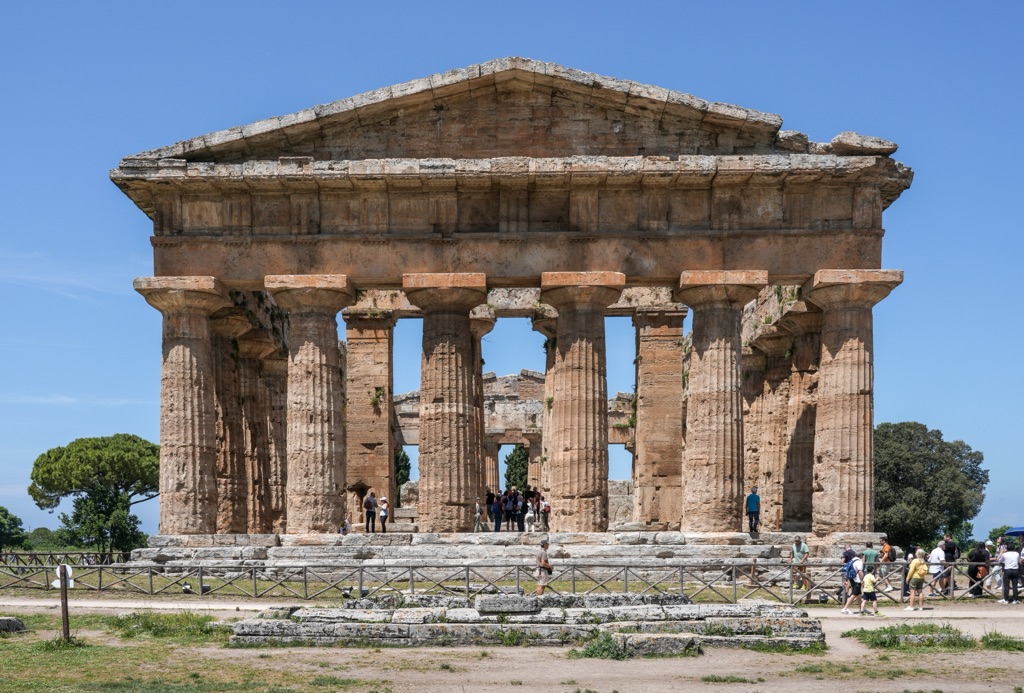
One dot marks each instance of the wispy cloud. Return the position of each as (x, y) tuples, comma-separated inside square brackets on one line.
[(42, 271), (59, 400)]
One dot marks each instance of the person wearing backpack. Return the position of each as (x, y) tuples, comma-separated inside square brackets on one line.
[(887, 560), (370, 506), (917, 572), (853, 573)]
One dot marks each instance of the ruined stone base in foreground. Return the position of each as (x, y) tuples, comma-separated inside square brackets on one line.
[(653, 549), (642, 625)]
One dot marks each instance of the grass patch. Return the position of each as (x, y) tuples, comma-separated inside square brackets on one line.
[(335, 681), (184, 626), (995, 640), (815, 648), (602, 646), (715, 678), (58, 644), (912, 637)]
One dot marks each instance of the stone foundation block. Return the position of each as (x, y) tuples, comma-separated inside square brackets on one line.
[(10, 624), (418, 615), (342, 615), (657, 644), (506, 603)]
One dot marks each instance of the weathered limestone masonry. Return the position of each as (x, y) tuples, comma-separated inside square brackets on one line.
[(517, 188), (640, 625)]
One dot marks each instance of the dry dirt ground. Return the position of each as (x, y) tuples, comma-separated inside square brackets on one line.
[(848, 665)]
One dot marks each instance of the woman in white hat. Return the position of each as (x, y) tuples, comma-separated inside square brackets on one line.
[(383, 505)]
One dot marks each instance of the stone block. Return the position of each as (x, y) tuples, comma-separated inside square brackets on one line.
[(420, 615), (657, 644), (506, 603), (342, 615), (10, 624)]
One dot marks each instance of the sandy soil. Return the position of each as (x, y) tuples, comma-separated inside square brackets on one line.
[(847, 666)]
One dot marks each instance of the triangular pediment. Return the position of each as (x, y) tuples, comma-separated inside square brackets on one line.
[(507, 107)]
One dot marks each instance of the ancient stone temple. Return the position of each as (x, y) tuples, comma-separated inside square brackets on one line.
[(509, 189)]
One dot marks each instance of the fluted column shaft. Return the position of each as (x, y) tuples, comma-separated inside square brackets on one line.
[(579, 410), (657, 462), (536, 450), (252, 349), (188, 453), (491, 454), (316, 447), (545, 322), (369, 444), (232, 473), (773, 413), (481, 322), (843, 497), (275, 379), (713, 459), (448, 437)]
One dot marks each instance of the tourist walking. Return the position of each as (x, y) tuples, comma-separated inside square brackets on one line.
[(370, 506), (544, 568), (383, 514), (853, 571), (496, 513), (978, 568), (887, 562), (477, 513), (951, 554), (1010, 560), (800, 554), (869, 596), (530, 517), (917, 571), (995, 578), (510, 511), (489, 502), (935, 560), (545, 514), (753, 510), (520, 513)]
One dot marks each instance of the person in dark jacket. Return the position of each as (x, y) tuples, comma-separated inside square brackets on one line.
[(978, 569)]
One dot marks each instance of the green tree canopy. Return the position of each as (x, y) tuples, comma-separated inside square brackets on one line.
[(403, 469), (121, 463), (924, 485), (12, 536), (517, 465), (105, 477)]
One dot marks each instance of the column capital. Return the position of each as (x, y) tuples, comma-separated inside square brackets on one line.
[(545, 320), (310, 292), (276, 362), (440, 291), (600, 289), (800, 317), (370, 317), (201, 295), (699, 288), (865, 288), (481, 320), (257, 345), (231, 325), (772, 340)]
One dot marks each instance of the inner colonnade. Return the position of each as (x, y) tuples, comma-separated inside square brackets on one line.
[(516, 188)]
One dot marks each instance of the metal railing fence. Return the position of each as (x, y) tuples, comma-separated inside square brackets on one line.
[(699, 582)]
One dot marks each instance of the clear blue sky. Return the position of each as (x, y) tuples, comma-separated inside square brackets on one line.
[(87, 83)]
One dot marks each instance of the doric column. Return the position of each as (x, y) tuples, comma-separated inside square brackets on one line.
[(579, 410), (752, 365), (316, 447), (232, 475), (370, 446), (491, 453), (844, 433), (188, 452), (275, 379), (658, 460), (252, 349), (481, 322), (535, 444), (713, 460), (773, 410), (447, 415), (545, 321)]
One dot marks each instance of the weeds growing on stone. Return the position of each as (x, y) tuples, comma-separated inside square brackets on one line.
[(913, 636), (601, 646), (790, 648), (185, 626)]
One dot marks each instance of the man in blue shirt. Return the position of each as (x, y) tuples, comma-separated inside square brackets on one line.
[(753, 510)]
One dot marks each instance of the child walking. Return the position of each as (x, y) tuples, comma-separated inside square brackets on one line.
[(870, 596)]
